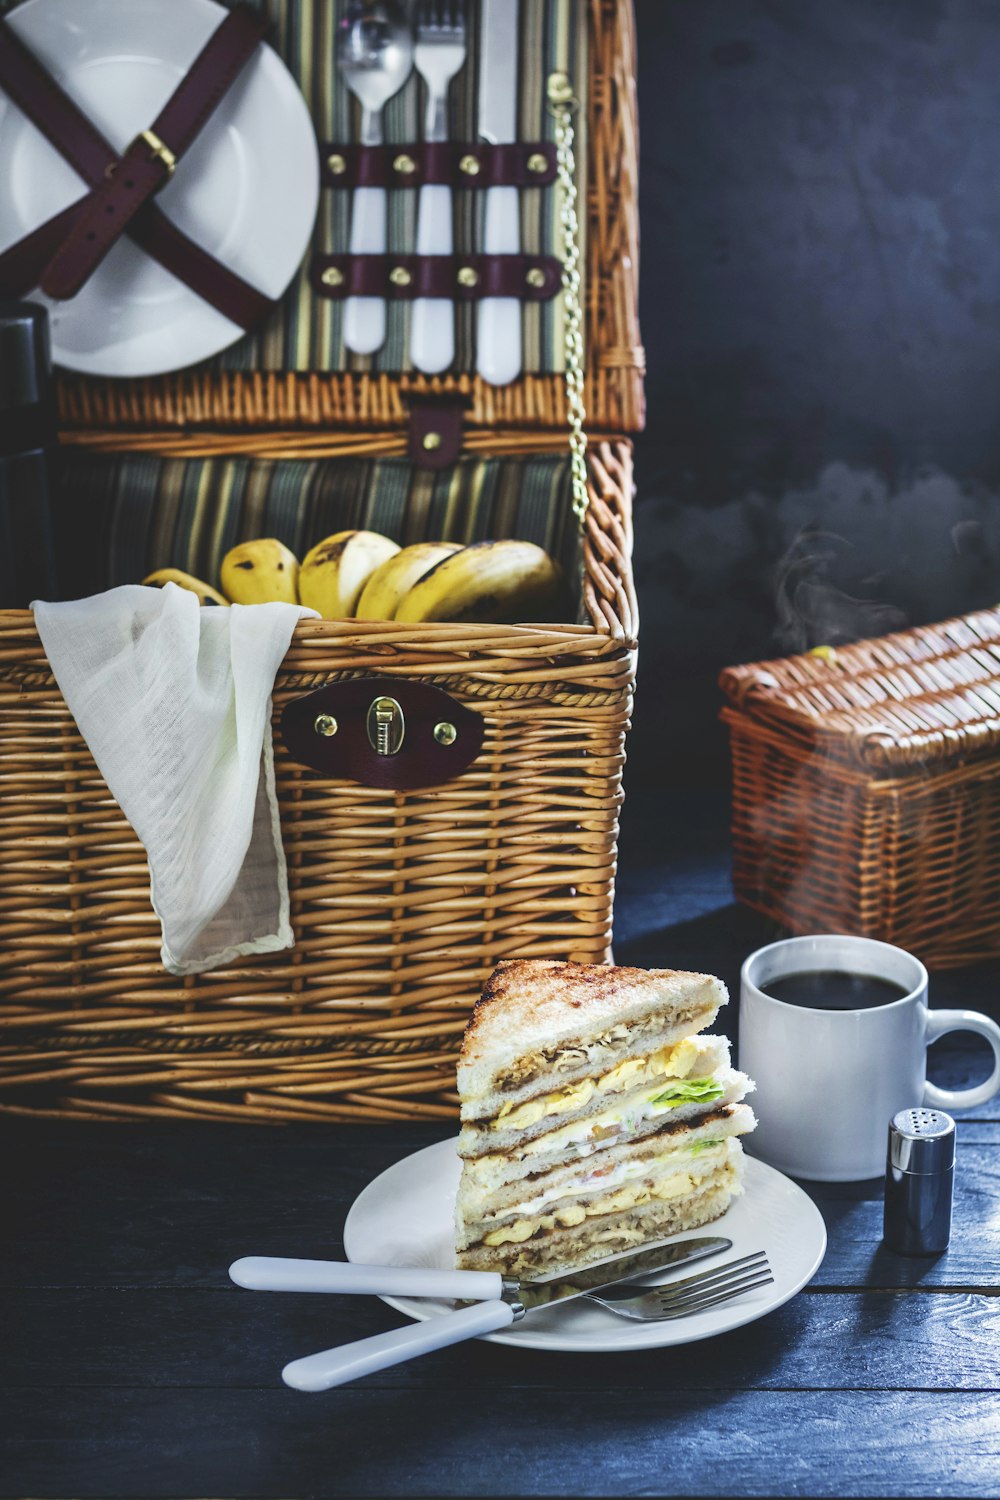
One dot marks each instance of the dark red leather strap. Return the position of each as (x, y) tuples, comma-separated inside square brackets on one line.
[(19, 264), (52, 111), (228, 293), (460, 278), (66, 127), (482, 165), (434, 431), (148, 163)]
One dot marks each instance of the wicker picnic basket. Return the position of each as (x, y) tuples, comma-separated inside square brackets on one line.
[(402, 901), (866, 788)]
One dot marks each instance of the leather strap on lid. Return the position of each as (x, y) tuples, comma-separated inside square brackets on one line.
[(66, 128), (484, 164), (459, 278), (149, 162)]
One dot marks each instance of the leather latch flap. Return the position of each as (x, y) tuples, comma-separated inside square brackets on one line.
[(384, 732)]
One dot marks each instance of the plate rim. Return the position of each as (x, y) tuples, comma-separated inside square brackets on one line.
[(278, 70), (669, 1333)]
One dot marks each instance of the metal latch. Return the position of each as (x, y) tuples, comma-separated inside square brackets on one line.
[(386, 726)]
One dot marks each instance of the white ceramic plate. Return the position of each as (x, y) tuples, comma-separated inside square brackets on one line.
[(405, 1218), (246, 191)]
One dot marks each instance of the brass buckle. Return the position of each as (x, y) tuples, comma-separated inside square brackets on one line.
[(157, 150)]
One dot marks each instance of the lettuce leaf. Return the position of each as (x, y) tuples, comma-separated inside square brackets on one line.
[(688, 1091), (697, 1147)]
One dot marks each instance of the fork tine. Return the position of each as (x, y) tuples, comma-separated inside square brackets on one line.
[(705, 1302), (729, 1285), (440, 21), (700, 1278), (712, 1273)]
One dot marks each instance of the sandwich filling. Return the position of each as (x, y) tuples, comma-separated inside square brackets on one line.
[(694, 1159), (631, 1117), (569, 1056), (692, 1055), (668, 1182)]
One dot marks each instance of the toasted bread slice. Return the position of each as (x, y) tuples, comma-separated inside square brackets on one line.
[(542, 1022)]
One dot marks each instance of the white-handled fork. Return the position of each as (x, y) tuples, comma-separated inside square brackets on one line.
[(506, 1301), (439, 53)]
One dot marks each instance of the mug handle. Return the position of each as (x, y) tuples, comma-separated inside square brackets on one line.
[(940, 1021)]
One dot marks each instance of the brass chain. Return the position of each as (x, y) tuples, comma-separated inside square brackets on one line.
[(563, 106)]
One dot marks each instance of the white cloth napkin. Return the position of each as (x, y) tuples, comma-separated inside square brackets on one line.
[(174, 701)]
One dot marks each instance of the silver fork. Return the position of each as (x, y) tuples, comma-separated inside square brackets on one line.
[(691, 1294), (439, 53)]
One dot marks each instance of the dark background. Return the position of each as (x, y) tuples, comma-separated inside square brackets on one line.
[(820, 295)]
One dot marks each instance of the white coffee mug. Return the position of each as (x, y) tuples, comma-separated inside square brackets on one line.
[(829, 1081)]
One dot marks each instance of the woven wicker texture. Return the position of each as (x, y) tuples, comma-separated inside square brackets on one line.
[(866, 788), (401, 903), (212, 397)]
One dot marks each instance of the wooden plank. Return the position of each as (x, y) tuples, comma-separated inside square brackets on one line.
[(357, 1442), (173, 1205), (235, 1339)]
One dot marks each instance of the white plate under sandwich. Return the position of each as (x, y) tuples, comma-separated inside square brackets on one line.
[(406, 1218), (246, 191)]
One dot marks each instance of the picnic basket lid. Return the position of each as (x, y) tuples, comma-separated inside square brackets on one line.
[(918, 699), (293, 372)]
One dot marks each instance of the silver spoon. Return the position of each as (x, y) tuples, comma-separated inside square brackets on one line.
[(375, 56)]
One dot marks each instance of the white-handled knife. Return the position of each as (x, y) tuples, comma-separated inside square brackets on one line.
[(499, 1301), (498, 327)]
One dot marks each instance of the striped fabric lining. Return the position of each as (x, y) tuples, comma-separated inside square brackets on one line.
[(117, 520)]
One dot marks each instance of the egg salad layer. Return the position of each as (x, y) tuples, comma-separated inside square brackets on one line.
[(674, 1175), (630, 1118), (695, 1054), (566, 1056)]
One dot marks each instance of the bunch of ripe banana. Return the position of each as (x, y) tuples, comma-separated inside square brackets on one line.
[(366, 576)]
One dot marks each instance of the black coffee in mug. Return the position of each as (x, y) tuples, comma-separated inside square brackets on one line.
[(834, 989)]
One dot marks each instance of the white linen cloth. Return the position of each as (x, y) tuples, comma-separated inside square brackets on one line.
[(174, 701)]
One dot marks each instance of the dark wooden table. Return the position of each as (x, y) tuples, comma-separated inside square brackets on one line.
[(131, 1368)]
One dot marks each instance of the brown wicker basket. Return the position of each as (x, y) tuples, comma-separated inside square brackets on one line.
[(402, 902), (866, 788)]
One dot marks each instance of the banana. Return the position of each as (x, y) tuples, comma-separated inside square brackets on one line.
[(206, 594), (337, 569), (385, 588), (260, 572), (487, 581)]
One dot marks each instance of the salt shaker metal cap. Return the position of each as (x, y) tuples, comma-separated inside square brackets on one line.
[(919, 1181)]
